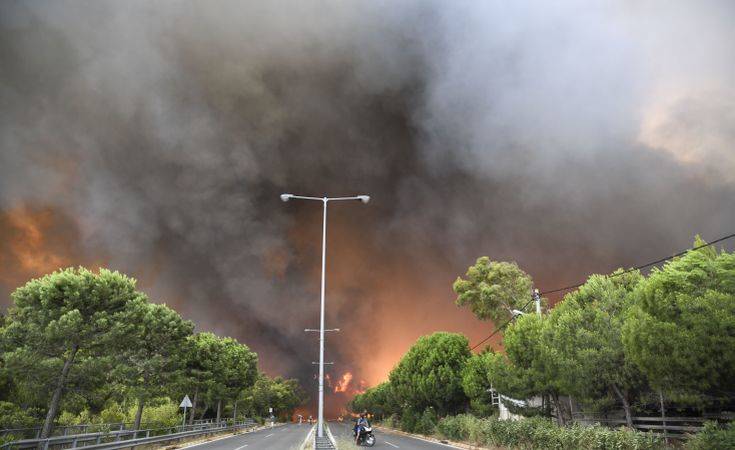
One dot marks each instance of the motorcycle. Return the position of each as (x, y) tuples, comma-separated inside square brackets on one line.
[(366, 437)]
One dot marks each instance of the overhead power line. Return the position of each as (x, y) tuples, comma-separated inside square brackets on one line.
[(616, 274)]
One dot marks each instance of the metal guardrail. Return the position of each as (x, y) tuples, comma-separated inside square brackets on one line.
[(125, 438), (676, 427), (66, 430)]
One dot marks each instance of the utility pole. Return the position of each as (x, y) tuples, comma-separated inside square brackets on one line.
[(537, 300)]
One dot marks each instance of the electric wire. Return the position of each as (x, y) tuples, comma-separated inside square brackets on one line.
[(616, 274)]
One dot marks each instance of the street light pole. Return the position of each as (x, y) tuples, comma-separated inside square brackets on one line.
[(320, 419), (324, 200)]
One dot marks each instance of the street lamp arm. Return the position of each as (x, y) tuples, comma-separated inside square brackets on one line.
[(287, 197), (362, 198)]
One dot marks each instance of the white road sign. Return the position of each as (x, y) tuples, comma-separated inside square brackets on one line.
[(185, 403)]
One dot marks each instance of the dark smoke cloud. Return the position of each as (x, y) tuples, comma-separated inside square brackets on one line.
[(573, 139)]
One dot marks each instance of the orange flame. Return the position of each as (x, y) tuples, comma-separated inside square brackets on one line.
[(344, 383)]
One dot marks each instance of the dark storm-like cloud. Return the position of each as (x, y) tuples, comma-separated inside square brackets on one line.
[(573, 139)]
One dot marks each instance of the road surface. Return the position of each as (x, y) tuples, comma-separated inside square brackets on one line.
[(285, 437), (386, 440)]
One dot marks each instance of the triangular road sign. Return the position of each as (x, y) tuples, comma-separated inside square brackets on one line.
[(185, 403)]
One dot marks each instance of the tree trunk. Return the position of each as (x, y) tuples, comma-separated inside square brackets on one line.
[(663, 414), (623, 396), (559, 406), (219, 409), (193, 406), (56, 397), (204, 411), (139, 413), (234, 414)]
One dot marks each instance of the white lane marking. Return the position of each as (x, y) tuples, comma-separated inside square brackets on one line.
[(392, 445), (241, 447), (269, 435), (220, 438)]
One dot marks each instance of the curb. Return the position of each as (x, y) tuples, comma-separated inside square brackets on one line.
[(309, 436), (444, 442), (331, 437)]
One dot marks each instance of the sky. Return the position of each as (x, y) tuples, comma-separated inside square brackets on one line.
[(155, 138)]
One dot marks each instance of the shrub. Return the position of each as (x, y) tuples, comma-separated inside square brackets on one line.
[(391, 421), (69, 418), (713, 437), (160, 414), (12, 416), (113, 413), (427, 422), (6, 438), (540, 433), (409, 419), (463, 427)]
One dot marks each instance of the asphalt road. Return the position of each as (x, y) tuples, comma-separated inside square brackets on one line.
[(386, 440), (284, 437)]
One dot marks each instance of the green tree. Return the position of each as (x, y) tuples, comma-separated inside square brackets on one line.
[(493, 289), (430, 374), (283, 395), (476, 383), (681, 330), (379, 401), (238, 371), (219, 369), (535, 364), (65, 317), (156, 361), (201, 366), (586, 332)]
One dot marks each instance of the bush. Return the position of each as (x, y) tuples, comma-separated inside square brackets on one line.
[(391, 421), (113, 413), (540, 433), (427, 423), (161, 413), (69, 418), (6, 438), (409, 419), (713, 437), (12, 416), (463, 427)]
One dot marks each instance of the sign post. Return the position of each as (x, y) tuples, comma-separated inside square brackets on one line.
[(185, 403)]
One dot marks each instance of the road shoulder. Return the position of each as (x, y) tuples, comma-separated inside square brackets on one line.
[(443, 442)]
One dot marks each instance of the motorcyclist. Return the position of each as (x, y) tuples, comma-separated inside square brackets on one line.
[(360, 424)]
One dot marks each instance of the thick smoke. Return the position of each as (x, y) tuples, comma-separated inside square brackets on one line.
[(156, 137)]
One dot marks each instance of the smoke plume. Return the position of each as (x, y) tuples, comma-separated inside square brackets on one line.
[(155, 138)]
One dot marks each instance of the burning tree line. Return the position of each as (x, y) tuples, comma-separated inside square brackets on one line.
[(79, 346), (624, 341)]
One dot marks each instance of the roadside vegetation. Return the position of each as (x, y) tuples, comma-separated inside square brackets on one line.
[(624, 343), (83, 347)]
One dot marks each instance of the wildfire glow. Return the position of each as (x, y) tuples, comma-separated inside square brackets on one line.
[(29, 246)]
